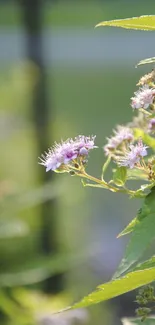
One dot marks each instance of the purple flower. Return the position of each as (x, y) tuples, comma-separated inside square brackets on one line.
[(151, 125), (133, 156), (143, 97), (64, 153), (120, 135)]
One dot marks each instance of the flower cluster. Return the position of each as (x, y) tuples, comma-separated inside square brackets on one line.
[(122, 147), (121, 135), (143, 98), (127, 147), (133, 156), (62, 155)]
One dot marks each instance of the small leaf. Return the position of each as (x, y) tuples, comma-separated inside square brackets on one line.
[(146, 61), (129, 227), (117, 287), (120, 175), (141, 23)]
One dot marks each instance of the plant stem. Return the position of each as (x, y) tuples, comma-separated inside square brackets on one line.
[(106, 185)]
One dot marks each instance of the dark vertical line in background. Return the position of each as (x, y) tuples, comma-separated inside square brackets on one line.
[(32, 18)]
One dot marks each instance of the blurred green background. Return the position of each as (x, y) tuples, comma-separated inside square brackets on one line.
[(60, 77)]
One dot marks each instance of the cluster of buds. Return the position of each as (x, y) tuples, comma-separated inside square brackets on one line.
[(125, 148), (143, 312), (145, 297)]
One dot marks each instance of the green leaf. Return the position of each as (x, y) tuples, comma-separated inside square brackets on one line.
[(137, 321), (117, 287), (147, 139), (146, 61), (145, 265), (141, 23), (142, 236), (147, 208), (120, 175), (130, 227)]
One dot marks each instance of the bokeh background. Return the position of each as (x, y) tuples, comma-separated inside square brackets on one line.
[(60, 77)]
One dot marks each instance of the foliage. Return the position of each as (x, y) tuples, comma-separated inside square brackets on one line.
[(22, 263), (128, 148), (23, 306), (142, 23)]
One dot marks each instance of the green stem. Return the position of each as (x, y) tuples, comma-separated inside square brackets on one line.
[(103, 184), (94, 179), (105, 166), (145, 112), (106, 185)]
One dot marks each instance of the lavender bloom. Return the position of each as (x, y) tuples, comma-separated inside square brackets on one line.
[(65, 152), (133, 156), (151, 125), (143, 97), (120, 135)]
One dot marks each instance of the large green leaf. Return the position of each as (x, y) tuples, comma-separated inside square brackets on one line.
[(137, 321), (142, 236), (117, 287), (146, 61), (141, 23)]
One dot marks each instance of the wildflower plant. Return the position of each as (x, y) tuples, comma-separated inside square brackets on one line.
[(131, 148)]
